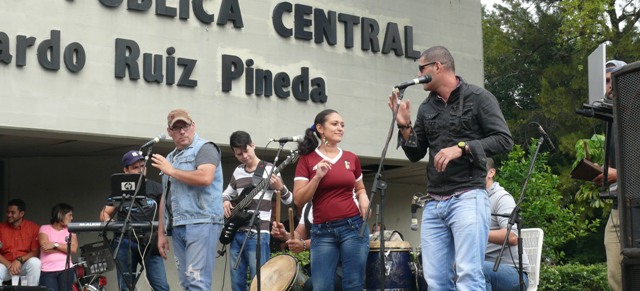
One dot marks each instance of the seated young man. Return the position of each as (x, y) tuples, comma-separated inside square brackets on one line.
[(20, 248)]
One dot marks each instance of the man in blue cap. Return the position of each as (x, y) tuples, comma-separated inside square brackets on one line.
[(143, 211), (612, 230)]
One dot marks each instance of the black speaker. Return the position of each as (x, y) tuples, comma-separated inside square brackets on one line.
[(97, 258), (630, 274), (626, 111)]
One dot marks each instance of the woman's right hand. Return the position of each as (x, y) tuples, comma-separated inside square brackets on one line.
[(322, 168)]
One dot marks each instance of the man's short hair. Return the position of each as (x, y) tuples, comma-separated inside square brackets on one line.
[(240, 140), (18, 203), (491, 164), (440, 54)]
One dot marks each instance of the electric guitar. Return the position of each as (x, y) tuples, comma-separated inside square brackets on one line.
[(239, 216)]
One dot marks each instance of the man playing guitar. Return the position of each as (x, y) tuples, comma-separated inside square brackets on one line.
[(244, 179)]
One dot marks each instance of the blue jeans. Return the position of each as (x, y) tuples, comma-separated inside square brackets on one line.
[(454, 236), (58, 280), (505, 279), (248, 258), (153, 264), (339, 241), (194, 249)]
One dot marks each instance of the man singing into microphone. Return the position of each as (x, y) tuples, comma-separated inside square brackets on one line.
[(460, 125), (143, 211)]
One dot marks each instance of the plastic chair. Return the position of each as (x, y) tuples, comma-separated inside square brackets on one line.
[(532, 245)]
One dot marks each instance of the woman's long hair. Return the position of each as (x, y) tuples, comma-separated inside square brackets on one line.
[(311, 135)]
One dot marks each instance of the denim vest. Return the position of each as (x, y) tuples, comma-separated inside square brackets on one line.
[(194, 204)]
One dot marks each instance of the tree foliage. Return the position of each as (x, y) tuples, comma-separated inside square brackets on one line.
[(591, 149), (543, 205), (535, 54)]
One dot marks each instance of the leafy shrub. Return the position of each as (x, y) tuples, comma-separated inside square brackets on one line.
[(573, 277), (588, 193), (304, 258), (543, 205)]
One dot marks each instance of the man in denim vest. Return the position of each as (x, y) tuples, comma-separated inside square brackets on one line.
[(192, 201)]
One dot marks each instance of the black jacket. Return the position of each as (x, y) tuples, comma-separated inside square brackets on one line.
[(478, 122)]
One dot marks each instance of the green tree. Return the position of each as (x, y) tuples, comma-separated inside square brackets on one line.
[(589, 193), (543, 205), (535, 56)]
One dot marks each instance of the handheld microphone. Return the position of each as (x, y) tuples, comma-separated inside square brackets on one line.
[(414, 219), (415, 204), (420, 80), (296, 138), (546, 138), (155, 140)]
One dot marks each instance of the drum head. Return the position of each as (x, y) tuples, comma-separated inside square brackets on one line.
[(374, 246), (277, 273)]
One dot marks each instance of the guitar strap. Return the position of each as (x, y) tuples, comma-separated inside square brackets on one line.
[(167, 208), (257, 175)]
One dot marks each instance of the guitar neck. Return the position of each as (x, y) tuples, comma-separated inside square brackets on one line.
[(263, 183), (247, 199)]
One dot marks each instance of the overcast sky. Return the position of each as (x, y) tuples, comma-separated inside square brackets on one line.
[(489, 3)]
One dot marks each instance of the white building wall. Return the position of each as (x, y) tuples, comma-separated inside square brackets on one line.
[(93, 101)]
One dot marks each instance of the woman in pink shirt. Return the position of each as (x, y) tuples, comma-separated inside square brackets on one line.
[(54, 248)]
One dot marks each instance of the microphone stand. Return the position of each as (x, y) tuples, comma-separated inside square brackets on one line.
[(255, 221), (67, 263), (126, 226), (514, 217), (381, 185), (608, 138)]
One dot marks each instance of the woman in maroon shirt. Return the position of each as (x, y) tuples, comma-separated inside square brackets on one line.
[(332, 179)]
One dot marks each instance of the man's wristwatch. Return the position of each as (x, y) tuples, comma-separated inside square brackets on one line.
[(19, 259), (56, 245), (463, 146)]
